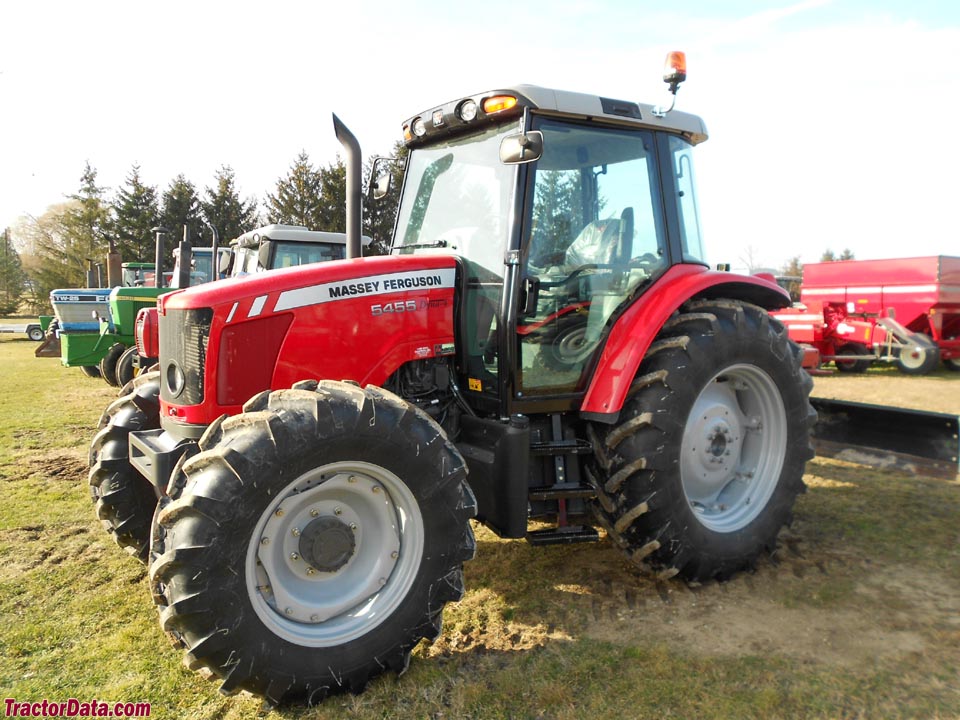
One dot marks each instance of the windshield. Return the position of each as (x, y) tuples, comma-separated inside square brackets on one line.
[(457, 198)]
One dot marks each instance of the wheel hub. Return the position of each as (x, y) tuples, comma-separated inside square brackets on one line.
[(327, 544), (715, 454)]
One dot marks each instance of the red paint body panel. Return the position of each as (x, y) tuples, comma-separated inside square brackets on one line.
[(923, 292), (637, 327), (339, 338)]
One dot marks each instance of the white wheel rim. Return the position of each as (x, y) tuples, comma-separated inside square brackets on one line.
[(733, 448), (321, 608)]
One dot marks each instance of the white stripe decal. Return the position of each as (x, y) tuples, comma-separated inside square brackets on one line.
[(232, 311), (910, 289), (854, 289), (257, 306), (366, 286)]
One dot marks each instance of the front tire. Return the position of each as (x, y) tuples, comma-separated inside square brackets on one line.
[(124, 499), (706, 463), (316, 541), (126, 369), (108, 364)]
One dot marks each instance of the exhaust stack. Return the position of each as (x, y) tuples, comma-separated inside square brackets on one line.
[(354, 177)]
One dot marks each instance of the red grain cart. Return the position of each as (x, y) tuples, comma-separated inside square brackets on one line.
[(905, 310)]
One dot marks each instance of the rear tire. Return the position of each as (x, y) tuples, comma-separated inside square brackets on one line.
[(919, 357), (953, 364), (124, 499), (317, 539), (108, 365), (853, 366), (706, 463)]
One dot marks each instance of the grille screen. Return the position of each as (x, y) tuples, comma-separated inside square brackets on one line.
[(184, 335)]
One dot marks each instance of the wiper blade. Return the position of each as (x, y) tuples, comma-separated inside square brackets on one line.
[(435, 244)]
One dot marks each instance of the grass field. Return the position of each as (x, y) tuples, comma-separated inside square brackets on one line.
[(856, 616)]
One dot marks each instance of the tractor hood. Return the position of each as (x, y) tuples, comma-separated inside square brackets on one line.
[(359, 319)]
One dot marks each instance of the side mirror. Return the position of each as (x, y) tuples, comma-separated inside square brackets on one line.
[(521, 148), (382, 186), (263, 255), (224, 261)]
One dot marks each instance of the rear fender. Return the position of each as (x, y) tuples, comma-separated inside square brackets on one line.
[(636, 328)]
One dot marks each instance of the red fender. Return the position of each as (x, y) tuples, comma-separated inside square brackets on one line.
[(638, 326)]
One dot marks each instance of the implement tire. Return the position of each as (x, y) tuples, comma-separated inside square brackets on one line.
[(854, 366), (920, 357), (91, 371), (124, 499), (705, 466), (315, 542)]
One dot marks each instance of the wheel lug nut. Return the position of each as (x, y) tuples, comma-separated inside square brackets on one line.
[(314, 618), (338, 511), (289, 611), (264, 540), (353, 526), (314, 512), (394, 555), (294, 556), (352, 478), (296, 532), (311, 571), (279, 512), (376, 488)]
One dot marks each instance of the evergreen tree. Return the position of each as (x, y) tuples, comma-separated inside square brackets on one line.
[(333, 197), (136, 212), (847, 254), (179, 206), (223, 209), (828, 256), (69, 237), (556, 211), (297, 200), (12, 277)]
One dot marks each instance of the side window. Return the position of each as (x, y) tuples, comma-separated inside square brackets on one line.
[(596, 237), (690, 238)]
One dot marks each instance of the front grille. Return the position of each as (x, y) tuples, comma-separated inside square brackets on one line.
[(184, 335)]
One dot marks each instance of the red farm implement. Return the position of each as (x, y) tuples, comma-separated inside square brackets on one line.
[(858, 312)]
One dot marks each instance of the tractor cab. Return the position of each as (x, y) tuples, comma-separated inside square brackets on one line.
[(561, 208), (283, 246)]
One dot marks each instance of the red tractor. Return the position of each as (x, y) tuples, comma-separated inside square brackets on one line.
[(545, 343)]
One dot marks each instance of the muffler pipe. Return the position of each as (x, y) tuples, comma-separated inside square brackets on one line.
[(354, 179)]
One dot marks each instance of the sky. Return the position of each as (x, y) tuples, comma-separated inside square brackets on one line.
[(831, 121)]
